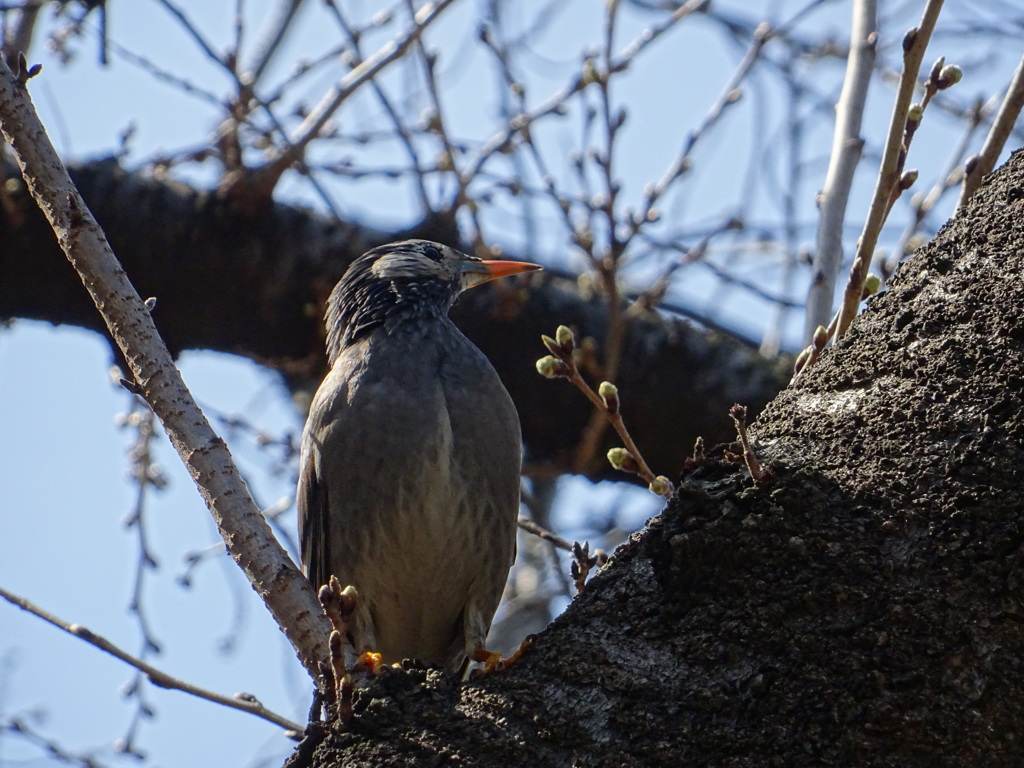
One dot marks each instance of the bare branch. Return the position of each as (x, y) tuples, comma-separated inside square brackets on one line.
[(914, 45), (997, 136), (361, 74), (242, 702), (270, 45), (283, 588), (847, 146)]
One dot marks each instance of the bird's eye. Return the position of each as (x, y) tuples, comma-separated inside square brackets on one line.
[(432, 253)]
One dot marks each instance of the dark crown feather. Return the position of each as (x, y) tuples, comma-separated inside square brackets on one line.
[(363, 300)]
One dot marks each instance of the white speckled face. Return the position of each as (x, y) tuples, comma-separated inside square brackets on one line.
[(410, 264)]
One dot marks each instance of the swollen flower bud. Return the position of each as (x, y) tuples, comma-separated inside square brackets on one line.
[(610, 394), (820, 338), (871, 285), (618, 457), (908, 178), (565, 338), (661, 485), (951, 75), (552, 368)]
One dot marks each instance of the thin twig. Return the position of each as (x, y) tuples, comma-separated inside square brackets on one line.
[(561, 364), (582, 562), (914, 45), (270, 44), (241, 702), (739, 416), (361, 74)]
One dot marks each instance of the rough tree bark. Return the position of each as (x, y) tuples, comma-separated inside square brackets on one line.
[(254, 284), (864, 607)]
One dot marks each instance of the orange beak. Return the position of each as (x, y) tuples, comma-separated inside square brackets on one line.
[(479, 272)]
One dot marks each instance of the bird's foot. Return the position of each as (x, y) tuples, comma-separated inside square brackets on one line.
[(349, 668), (493, 661), (369, 661)]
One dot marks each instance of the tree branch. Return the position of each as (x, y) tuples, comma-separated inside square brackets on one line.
[(256, 286), (241, 702), (282, 587), (985, 161), (847, 146)]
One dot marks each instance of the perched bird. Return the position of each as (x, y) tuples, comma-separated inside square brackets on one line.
[(409, 486)]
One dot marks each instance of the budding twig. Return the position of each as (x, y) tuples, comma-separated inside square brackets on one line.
[(891, 180), (561, 364), (599, 558), (346, 662), (739, 417), (980, 164), (822, 335)]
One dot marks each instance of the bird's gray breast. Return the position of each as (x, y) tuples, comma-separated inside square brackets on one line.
[(418, 447)]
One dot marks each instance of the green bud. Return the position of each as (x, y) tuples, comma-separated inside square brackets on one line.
[(565, 338), (915, 113), (871, 285), (661, 485), (617, 457), (610, 394), (551, 367), (951, 75)]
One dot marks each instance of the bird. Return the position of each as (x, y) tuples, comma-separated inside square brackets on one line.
[(410, 460)]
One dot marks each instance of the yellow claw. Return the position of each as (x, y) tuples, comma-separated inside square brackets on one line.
[(370, 661)]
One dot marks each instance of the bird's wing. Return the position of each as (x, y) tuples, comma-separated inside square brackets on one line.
[(312, 503)]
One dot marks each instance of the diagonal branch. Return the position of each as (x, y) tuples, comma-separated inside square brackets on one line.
[(282, 587), (914, 45), (242, 702), (997, 136)]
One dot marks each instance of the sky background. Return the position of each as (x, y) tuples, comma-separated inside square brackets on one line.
[(65, 496)]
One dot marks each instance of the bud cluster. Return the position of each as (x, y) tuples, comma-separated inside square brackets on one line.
[(559, 364)]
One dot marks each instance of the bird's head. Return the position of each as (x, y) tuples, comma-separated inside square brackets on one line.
[(406, 280)]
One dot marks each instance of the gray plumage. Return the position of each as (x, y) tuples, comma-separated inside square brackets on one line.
[(409, 487)]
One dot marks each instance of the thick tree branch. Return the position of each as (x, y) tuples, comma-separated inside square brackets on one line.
[(863, 608), (255, 286)]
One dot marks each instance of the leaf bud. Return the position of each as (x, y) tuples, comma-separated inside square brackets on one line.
[(552, 368), (610, 395), (565, 338), (871, 285), (661, 485), (951, 75)]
